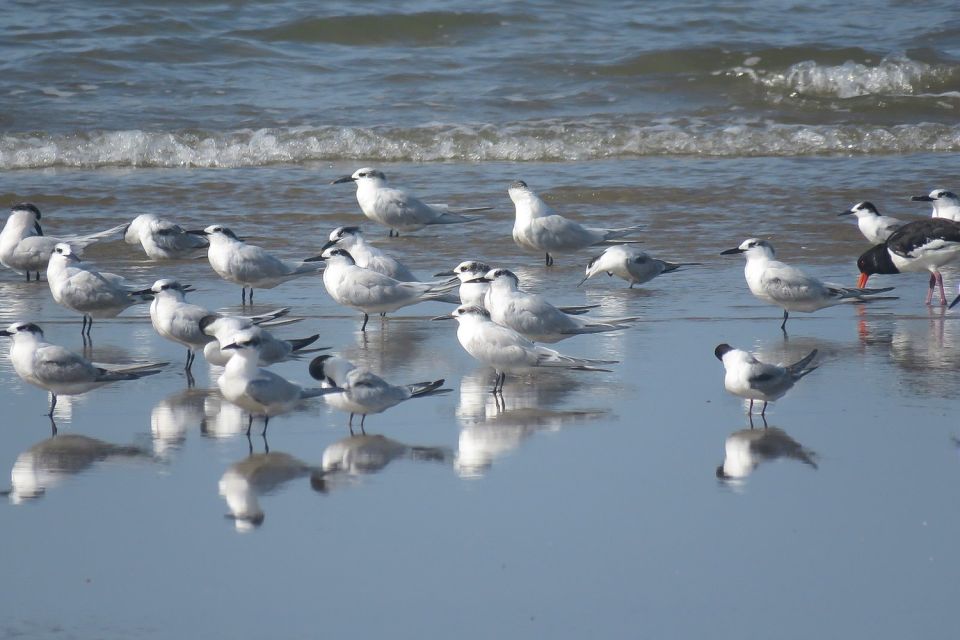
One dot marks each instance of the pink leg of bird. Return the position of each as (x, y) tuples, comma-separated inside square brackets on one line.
[(933, 282), (943, 295)]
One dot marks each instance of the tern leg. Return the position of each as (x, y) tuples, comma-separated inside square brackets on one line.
[(266, 423), (943, 296), (750, 409), (251, 296), (53, 404), (189, 359), (28, 276), (763, 412), (191, 381), (363, 419), (266, 445), (549, 260), (53, 427), (249, 423), (365, 318), (783, 326)]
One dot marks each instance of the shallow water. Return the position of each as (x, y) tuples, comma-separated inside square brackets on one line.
[(583, 503)]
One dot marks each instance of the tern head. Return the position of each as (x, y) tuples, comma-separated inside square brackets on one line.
[(330, 369), (244, 341), (861, 209), (364, 175), (22, 328), (26, 215), (722, 350), (874, 260), (333, 255), (595, 266), (467, 270), (65, 252), (938, 196), (504, 277), (752, 247), (518, 190), (346, 237), (131, 232), (167, 284), (469, 311), (216, 231)]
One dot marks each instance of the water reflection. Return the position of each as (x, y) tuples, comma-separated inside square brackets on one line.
[(259, 474), (47, 463), (174, 416), (746, 449), (364, 454), (492, 425), (398, 343), (222, 419)]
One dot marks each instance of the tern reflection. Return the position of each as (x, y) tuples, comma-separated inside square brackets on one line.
[(222, 419), (174, 416), (365, 454), (746, 449), (393, 347), (47, 463), (492, 425), (259, 474)]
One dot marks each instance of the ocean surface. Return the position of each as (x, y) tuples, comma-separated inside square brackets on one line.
[(583, 503)]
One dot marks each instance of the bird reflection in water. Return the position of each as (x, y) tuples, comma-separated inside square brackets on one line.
[(174, 416), (365, 454), (222, 419), (259, 474), (492, 425), (47, 463), (745, 449)]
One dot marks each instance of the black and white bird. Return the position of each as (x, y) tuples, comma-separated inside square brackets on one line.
[(945, 203), (162, 239), (506, 351), (248, 265), (370, 292), (790, 288), (746, 449), (533, 317), (923, 245), (258, 391), (272, 348), (874, 227), (537, 227), (363, 392), (78, 286), (24, 248), (396, 209), (751, 379), (176, 319), (60, 371), (368, 256), (472, 285), (630, 264)]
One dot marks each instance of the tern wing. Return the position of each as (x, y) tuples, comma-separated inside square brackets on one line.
[(784, 283), (56, 364)]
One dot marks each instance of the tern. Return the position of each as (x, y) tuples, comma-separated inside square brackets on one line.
[(789, 288), (505, 350), (923, 245), (945, 203), (874, 227), (396, 209), (272, 349), (258, 391), (24, 248), (162, 239), (751, 379), (745, 449), (371, 292), (532, 316), (177, 320), (368, 256), (539, 228), (630, 264), (60, 371), (249, 265), (364, 392), (472, 287), (79, 287)]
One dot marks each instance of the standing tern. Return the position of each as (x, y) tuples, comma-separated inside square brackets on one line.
[(368, 256), (630, 264), (249, 265), (751, 379), (789, 288), (258, 391), (539, 228), (177, 320), (60, 371), (923, 245), (945, 203), (162, 239), (505, 350), (874, 227), (532, 316), (396, 209), (23, 247), (79, 287), (272, 349), (371, 292), (366, 393)]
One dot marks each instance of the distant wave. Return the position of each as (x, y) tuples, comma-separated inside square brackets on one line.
[(549, 140), (892, 76)]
